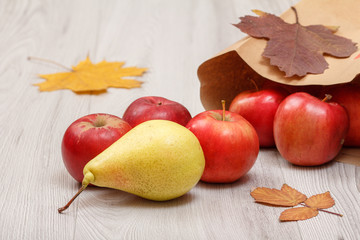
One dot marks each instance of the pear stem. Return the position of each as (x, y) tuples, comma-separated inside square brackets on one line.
[(223, 108), (49, 61), (60, 210), (326, 98)]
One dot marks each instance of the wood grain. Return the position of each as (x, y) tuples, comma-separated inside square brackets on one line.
[(171, 38)]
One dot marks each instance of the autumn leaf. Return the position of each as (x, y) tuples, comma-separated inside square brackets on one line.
[(296, 49), (298, 213), (310, 209), (287, 196), (322, 201), (89, 77), (290, 197), (296, 196)]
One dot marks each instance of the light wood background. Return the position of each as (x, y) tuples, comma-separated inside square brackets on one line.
[(171, 38)]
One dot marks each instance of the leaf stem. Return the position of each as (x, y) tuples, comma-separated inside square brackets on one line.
[(49, 61), (323, 210), (296, 14)]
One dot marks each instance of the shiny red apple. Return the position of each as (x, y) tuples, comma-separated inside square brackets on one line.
[(349, 97), (230, 145), (259, 108), (153, 107), (309, 131), (87, 137)]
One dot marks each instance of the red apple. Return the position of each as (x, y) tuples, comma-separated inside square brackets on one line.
[(308, 131), (349, 97), (259, 108), (153, 107), (230, 146), (87, 137)]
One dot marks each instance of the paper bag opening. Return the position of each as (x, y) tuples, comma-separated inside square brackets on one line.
[(232, 70)]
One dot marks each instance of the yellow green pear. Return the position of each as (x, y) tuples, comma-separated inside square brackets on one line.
[(158, 160)]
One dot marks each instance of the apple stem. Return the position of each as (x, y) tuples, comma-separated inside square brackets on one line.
[(223, 108), (255, 85), (100, 121), (49, 61), (60, 210), (327, 97)]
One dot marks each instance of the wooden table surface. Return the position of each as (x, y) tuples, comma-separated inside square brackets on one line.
[(171, 38)]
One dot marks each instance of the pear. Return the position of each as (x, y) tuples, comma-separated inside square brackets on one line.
[(157, 160)]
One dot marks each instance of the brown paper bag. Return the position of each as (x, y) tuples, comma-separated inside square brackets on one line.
[(230, 72)]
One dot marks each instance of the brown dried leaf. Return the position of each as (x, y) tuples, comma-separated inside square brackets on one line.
[(287, 196), (296, 49), (299, 213), (322, 201)]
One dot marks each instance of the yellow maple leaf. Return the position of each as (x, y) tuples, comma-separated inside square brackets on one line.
[(88, 77)]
